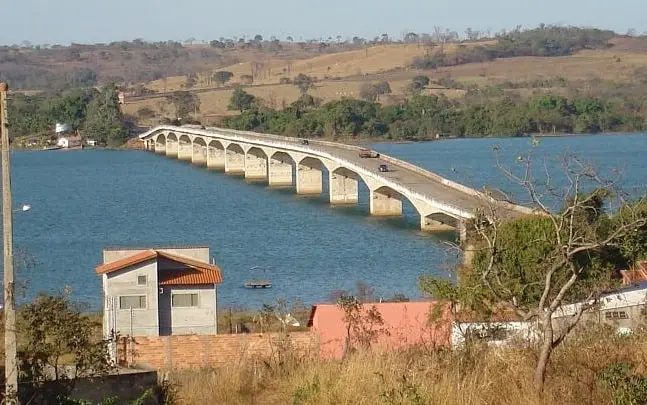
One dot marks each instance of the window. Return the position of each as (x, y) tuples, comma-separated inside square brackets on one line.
[(616, 315), (133, 301), (141, 280), (184, 300)]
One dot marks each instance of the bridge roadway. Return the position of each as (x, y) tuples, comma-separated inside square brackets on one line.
[(439, 201)]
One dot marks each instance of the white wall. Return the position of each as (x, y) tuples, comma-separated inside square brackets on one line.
[(514, 331), (199, 320), (135, 322)]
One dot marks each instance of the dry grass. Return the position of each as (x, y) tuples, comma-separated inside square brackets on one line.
[(214, 103), (342, 74), (480, 376)]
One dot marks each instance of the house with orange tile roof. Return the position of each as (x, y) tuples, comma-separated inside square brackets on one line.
[(159, 292)]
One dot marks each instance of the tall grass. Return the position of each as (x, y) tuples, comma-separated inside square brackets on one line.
[(475, 375)]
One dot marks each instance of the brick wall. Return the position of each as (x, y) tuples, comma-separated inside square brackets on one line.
[(196, 351)]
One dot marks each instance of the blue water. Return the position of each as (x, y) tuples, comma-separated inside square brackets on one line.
[(83, 201)]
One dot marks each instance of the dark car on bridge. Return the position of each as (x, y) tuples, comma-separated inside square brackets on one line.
[(383, 168)]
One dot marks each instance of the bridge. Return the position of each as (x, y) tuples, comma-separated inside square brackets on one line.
[(284, 161)]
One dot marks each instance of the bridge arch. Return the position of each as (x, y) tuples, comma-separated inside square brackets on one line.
[(185, 147), (344, 186), (160, 143), (199, 153), (234, 159), (282, 169), (215, 155), (309, 176), (256, 164), (171, 145)]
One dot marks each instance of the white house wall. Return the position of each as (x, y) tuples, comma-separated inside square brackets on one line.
[(135, 322), (199, 320)]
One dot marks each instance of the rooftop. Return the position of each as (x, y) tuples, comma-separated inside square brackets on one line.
[(196, 273)]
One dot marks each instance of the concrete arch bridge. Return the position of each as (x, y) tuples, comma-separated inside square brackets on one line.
[(283, 161)]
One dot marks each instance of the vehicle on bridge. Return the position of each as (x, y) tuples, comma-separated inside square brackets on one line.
[(383, 168), (305, 142), (367, 153)]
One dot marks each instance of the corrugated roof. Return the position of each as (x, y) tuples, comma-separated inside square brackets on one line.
[(198, 273)]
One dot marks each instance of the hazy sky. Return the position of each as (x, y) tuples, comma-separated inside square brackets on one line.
[(87, 21)]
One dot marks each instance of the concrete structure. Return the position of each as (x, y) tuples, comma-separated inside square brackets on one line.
[(70, 141), (159, 292), (283, 161), (405, 324)]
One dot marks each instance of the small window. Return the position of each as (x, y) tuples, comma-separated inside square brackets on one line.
[(616, 315), (184, 300), (141, 280), (134, 301)]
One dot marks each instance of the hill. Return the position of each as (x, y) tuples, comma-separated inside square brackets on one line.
[(342, 74)]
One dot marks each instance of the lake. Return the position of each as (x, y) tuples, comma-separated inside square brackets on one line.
[(83, 201)]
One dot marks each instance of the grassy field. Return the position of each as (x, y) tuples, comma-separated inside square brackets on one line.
[(342, 74), (478, 376)]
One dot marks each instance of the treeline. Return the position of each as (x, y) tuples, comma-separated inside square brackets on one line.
[(93, 112), (542, 41), (424, 117)]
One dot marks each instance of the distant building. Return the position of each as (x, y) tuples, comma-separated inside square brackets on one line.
[(405, 324), (159, 292), (625, 308), (91, 142), (68, 142)]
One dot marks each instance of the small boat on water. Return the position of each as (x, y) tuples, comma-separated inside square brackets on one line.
[(258, 283), (51, 147)]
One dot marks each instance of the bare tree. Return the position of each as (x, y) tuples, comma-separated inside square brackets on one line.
[(552, 267)]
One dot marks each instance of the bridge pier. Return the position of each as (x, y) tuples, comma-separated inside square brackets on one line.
[(234, 160), (215, 155), (160, 145), (344, 187), (185, 148), (280, 170), (199, 156), (385, 202), (255, 164), (309, 177), (171, 145)]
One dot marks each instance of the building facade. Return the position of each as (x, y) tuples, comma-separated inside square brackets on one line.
[(159, 292)]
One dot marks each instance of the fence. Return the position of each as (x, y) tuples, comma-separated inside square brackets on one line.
[(200, 351)]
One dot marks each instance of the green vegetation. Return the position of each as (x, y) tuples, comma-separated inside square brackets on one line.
[(92, 112), (422, 117), (534, 265), (542, 41)]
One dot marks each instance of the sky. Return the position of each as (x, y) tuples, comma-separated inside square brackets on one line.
[(93, 21)]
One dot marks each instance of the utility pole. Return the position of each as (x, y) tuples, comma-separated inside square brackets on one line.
[(11, 363)]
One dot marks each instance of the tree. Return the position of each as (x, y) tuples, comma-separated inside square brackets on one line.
[(221, 77), (303, 82), (258, 38), (382, 88), (368, 92), (190, 80), (241, 100), (52, 327), (364, 326), (535, 265), (185, 103), (104, 121), (420, 82), (411, 38)]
